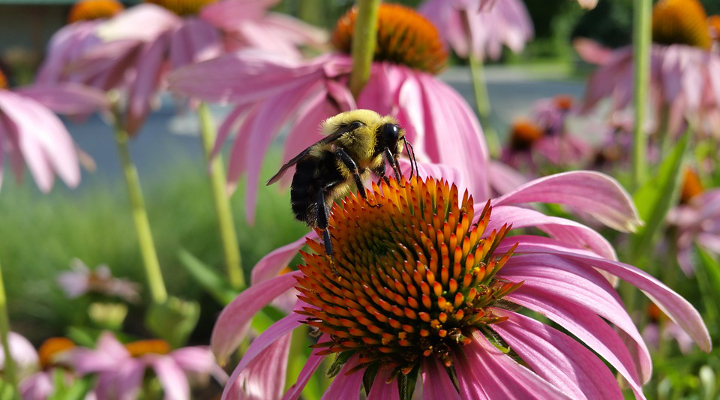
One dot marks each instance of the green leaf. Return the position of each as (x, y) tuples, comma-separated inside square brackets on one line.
[(657, 195), (708, 277), (340, 360), (214, 283), (406, 383), (369, 376), (173, 320)]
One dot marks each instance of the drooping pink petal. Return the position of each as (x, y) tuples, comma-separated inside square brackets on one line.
[(436, 382), (381, 389), (346, 387), (309, 368), (567, 231), (228, 126), (66, 45), (38, 386), (591, 192), (592, 51), (548, 276), (486, 373), (227, 14), (271, 265), (67, 98), (503, 178), (172, 378), (239, 151), (271, 116), (589, 328), (127, 380), (671, 303), (144, 22), (22, 352), (264, 377), (558, 358), (244, 76), (194, 41), (234, 321), (262, 345), (42, 139), (147, 81), (198, 359)]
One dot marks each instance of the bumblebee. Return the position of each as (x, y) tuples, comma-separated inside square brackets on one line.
[(356, 143)]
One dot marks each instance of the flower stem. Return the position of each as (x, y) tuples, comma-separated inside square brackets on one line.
[(363, 44), (226, 224), (641, 48), (482, 100), (142, 225), (9, 368)]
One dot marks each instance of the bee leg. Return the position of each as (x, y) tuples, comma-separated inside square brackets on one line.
[(322, 223), (350, 164), (393, 163), (380, 171)]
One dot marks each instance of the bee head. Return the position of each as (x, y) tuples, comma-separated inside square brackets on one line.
[(389, 136)]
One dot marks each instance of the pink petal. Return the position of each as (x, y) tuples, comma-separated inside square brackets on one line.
[(564, 230), (143, 22), (42, 139), (146, 82), (38, 386), (22, 352), (172, 378), (198, 359), (271, 265), (345, 387), (275, 112), (194, 41), (66, 44), (234, 321), (127, 380), (486, 373), (548, 276), (587, 327), (671, 303), (592, 51), (244, 76), (558, 358), (264, 378), (227, 127), (69, 98), (274, 341), (436, 382), (503, 178), (381, 390), (309, 368), (228, 14), (238, 153), (591, 192)]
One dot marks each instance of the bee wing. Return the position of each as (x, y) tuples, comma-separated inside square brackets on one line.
[(327, 139)]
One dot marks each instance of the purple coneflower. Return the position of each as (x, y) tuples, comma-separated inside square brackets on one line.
[(272, 91), (485, 4), (136, 48), (121, 368), (697, 220), (82, 280), (545, 138), (428, 287), (52, 355), (685, 75), (481, 33), (30, 134), (70, 42)]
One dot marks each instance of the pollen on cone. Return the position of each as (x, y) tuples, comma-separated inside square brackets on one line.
[(404, 37), (86, 10), (416, 274), (680, 22)]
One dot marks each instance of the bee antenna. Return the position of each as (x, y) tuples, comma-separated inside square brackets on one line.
[(413, 160)]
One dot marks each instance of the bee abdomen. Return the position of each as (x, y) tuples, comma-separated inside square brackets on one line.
[(304, 191)]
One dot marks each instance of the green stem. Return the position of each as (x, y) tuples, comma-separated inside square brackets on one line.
[(482, 101), (226, 224), (9, 368), (641, 47), (142, 225), (363, 44)]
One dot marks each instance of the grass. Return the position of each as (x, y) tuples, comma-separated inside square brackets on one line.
[(41, 233)]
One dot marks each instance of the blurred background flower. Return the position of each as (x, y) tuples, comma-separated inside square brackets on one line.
[(82, 280)]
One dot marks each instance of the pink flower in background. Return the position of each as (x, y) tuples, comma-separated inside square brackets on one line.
[(697, 220), (121, 368), (271, 92), (661, 329), (397, 321), (139, 46), (82, 280), (481, 30), (70, 42), (52, 354), (685, 76), (546, 138), (30, 134), (22, 352)]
